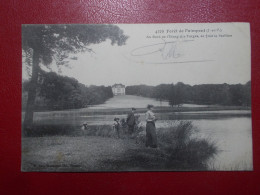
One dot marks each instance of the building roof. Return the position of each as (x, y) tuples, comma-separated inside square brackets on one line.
[(118, 85)]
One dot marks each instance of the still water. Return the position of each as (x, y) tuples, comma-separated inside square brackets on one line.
[(231, 131), (233, 137)]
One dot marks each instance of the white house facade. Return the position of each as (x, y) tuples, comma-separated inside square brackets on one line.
[(118, 89)]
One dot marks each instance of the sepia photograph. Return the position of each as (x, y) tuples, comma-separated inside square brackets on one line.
[(136, 97)]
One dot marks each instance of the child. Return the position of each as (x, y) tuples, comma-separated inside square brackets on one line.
[(85, 126), (116, 126)]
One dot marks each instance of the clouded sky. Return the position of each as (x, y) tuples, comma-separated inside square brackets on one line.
[(149, 59)]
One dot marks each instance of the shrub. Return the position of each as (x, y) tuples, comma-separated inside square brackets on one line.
[(192, 155), (179, 150)]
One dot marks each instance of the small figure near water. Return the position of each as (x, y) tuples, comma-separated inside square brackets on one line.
[(151, 137), (116, 126), (123, 123), (85, 126), (131, 121)]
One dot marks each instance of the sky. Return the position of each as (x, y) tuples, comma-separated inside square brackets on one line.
[(156, 54)]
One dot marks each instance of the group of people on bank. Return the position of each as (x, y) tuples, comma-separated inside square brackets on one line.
[(151, 138)]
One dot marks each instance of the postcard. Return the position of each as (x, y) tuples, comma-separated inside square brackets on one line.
[(136, 97)]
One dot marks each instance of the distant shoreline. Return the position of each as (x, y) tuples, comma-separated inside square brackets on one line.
[(143, 110)]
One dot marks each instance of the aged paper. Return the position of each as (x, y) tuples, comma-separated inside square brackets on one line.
[(136, 97)]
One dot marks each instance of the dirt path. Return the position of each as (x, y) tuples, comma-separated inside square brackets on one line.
[(63, 153)]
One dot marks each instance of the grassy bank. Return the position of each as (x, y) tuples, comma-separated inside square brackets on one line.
[(177, 149), (71, 153), (48, 130)]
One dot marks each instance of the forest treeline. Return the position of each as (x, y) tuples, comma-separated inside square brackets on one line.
[(177, 94), (55, 92)]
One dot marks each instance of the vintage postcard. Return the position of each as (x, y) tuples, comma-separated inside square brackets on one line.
[(136, 97)]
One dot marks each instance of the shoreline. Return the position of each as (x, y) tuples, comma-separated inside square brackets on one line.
[(143, 110)]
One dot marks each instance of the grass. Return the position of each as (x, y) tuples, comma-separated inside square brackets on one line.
[(71, 154), (40, 130), (177, 149)]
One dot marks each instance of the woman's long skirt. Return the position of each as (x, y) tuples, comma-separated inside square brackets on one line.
[(151, 138)]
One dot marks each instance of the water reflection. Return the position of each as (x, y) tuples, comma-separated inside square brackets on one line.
[(233, 137)]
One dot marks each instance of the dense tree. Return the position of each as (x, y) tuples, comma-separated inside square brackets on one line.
[(176, 94), (222, 94), (56, 92), (44, 43), (161, 92), (59, 91), (140, 90), (247, 94)]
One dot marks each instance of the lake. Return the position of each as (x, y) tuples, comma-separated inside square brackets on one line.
[(231, 130), (233, 137)]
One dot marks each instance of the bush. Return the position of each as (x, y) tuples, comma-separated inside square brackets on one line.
[(192, 155), (178, 150)]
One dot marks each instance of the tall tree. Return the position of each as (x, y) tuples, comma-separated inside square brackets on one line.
[(44, 43)]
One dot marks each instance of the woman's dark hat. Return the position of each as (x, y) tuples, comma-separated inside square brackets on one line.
[(133, 108)]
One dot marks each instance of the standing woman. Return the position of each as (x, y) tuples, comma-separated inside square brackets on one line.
[(151, 138)]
